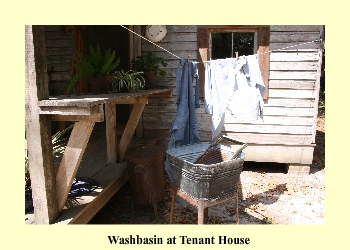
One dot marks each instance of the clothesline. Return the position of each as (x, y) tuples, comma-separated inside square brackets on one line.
[(151, 42), (314, 41)]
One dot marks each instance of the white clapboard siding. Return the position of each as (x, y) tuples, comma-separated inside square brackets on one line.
[(295, 28), (271, 102), (258, 138), (281, 111), (296, 75), (293, 57), (293, 93), (239, 128), (271, 120), (288, 37), (289, 110), (295, 66), (280, 102), (292, 84), (296, 46), (266, 129)]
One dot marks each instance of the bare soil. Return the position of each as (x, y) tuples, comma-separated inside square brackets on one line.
[(269, 196)]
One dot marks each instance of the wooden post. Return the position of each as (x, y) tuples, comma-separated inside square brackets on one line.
[(201, 212), (130, 129), (71, 159), (264, 55), (38, 128), (131, 46), (111, 132), (202, 55), (137, 52)]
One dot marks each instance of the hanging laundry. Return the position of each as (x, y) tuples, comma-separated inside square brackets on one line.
[(247, 103), (185, 128), (233, 84)]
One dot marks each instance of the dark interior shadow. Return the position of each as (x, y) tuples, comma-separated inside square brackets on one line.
[(318, 162), (265, 167)]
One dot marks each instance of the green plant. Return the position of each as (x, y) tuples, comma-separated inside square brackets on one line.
[(58, 148), (94, 64), (122, 81), (59, 145), (149, 62)]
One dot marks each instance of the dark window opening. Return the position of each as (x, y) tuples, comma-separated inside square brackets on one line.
[(226, 44)]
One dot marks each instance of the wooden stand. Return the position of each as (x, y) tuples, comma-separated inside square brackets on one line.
[(84, 111), (202, 204)]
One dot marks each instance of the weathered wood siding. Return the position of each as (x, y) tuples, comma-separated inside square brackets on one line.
[(160, 113), (60, 51), (287, 133)]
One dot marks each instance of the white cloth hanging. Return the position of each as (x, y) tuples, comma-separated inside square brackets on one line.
[(233, 84)]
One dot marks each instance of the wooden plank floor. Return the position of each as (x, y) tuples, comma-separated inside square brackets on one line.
[(111, 177)]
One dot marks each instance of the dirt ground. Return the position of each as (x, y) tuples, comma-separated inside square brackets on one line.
[(269, 196)]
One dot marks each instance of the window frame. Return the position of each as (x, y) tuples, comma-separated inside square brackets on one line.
[(263, 48)]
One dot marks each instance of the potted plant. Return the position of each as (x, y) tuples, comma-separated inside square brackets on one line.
[(121, 81), (150, 65), (95, 65)]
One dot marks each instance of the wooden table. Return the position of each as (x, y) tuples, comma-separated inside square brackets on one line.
[(85, 110)]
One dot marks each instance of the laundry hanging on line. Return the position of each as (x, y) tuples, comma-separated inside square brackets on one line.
[(185, 128), (234, 85)]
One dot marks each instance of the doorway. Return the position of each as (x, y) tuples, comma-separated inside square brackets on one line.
[(116, 38)]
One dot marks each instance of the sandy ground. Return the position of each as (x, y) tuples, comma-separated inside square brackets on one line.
[(269, 196)]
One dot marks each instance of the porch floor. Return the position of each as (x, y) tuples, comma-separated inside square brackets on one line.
[(110, 177)]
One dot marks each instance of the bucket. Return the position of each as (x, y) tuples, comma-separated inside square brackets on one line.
[(145, 164)]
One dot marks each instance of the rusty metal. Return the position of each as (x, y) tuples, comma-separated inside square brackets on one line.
[(145, 164), (216, 154)]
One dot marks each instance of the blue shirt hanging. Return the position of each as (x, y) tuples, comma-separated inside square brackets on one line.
[(185, 128)]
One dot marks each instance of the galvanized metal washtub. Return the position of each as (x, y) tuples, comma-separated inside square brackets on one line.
[(206, 170)]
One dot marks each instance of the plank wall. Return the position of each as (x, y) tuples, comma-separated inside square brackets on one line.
[(60, 51), (287, 134)]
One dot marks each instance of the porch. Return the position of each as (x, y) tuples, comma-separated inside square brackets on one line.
[(110, 177), (93, 151)]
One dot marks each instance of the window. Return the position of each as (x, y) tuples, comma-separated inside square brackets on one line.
[(231, 44), (215, 42)]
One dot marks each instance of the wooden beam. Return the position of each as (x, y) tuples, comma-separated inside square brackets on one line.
[(130, 129), (318, 86), (264, 55), (71, 110), (132, 100), (71, 159), (136, 53), (137, 41), (202, 55), (167, 94), (111, 132), (94, 114), (38, 127), (131, 46), (76, 118)]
